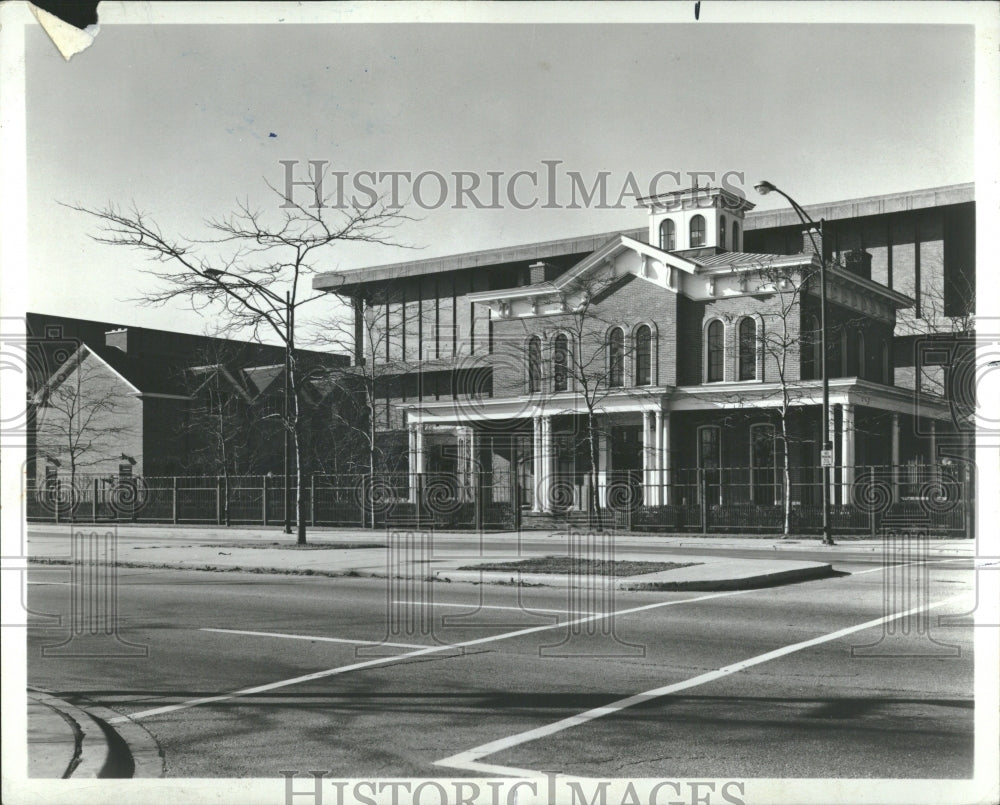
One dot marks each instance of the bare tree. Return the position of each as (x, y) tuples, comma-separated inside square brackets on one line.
[(255, 267), (363, 390), (586, 366), (81, 417)]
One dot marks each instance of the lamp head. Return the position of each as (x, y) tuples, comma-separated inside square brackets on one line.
[(764, 187)]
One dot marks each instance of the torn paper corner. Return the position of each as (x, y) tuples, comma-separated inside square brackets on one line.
[(68, 38)]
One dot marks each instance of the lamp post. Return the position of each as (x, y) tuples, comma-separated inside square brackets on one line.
[(215, 274), (764, 188)]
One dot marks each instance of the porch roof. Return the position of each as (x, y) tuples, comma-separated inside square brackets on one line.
[(717, 396)]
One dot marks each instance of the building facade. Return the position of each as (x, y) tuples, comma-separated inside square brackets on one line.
[(681, 362)]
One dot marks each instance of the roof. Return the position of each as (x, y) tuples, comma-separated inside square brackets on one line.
[(755, 220)]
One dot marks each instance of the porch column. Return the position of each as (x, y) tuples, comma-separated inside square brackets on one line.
[(602, 468), (847, 451), (536, 463), (832, 430), (411, 433), (665, 457), (648, 458), (657, 498), (895, 457), (932, 431), (472, 477), (548, 459)]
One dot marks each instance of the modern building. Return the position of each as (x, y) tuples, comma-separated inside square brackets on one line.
[(679, 363)]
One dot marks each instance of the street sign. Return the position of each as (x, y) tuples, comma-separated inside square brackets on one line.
[(826, 458)]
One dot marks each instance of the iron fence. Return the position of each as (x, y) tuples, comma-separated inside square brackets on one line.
[(706, 500)]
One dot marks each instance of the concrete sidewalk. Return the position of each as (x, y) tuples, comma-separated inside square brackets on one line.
[(358, 552)]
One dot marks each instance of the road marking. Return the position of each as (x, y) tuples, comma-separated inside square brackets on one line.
[(893, 566), (469, 760), (313, 637), (283, 683), (527, 610)]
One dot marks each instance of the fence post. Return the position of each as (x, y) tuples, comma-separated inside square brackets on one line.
[(173, 500), (263, 501), (312, 499), (55, 498), (218, 500), (93, 501), (703, 498)]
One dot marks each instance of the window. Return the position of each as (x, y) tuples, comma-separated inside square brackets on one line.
[(643, 355), (709, 462), (886, 364), (735, 246), (812, 343), (862, 364), (748, 349), (722, 231), (534, 364), (762, 464), (560, 363), (845, 354), (713, 366), (667, 240), (698, 231), (616, 358)]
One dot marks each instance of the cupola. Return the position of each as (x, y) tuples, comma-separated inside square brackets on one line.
[(697, 218)]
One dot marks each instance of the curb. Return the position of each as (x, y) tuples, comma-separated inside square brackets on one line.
[(821, 571), (519, 578), (99, 747)]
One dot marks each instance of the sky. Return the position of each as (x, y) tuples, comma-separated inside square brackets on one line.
[(178, 120)]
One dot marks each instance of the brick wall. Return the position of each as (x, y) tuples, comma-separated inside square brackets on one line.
[(94, 407), (633, 302)]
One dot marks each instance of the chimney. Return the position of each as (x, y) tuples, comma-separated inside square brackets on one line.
[(117, 339), (807, 241), (859, 262), (539, 272)]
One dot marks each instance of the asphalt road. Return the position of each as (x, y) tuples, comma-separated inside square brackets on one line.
[(422, 709)]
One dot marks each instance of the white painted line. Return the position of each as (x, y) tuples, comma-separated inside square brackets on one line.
[(48, 582), (170, 708), (893, 566), (312, 637), (468, 760), (527, 610)]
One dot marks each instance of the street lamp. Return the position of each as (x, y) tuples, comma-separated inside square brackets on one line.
[(215, 274), (764, 188)]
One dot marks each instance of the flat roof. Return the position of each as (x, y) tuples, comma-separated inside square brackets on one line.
[(850, 208)]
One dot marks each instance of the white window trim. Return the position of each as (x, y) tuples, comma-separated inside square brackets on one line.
[(774, 454), (704, 352)]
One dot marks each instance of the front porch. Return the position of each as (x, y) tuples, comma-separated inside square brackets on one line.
[(682, 457)]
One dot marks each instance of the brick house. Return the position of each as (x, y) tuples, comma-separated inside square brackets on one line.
[(128, 404), (691, 345)]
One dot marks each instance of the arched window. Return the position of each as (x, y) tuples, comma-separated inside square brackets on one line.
[(736, 237), (722, 231), (643, 355), (748, 349), (812, 343), (667, 240), (862, 363), (698, 231), (534, 364), (616, 358), (763, 464), (560, 363), (713, 364)]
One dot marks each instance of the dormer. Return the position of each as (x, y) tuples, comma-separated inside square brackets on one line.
[(697, 218)]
